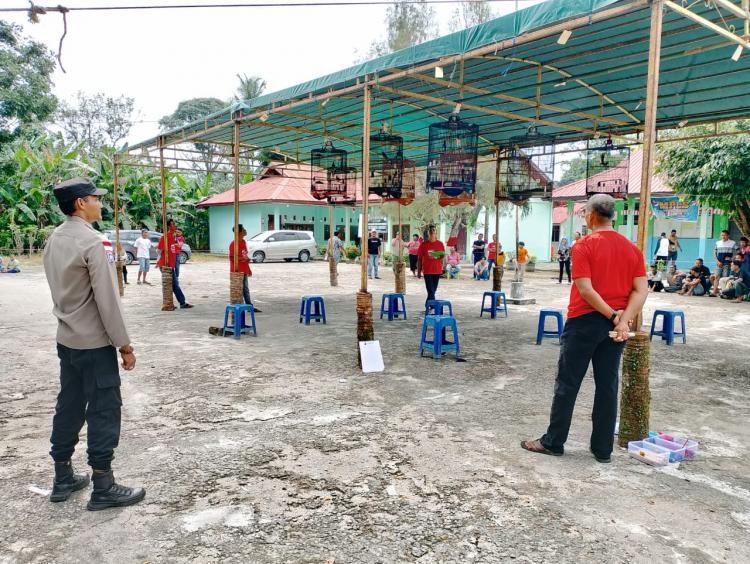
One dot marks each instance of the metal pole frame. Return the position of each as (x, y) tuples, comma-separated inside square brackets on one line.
[(115, 191), (367, 100), (163, 171)]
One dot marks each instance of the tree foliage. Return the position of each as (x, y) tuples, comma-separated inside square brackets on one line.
[(26, 69), (714, 171), (469, 14), (97, 120), (407, 24), (573, 169), (250, 87)]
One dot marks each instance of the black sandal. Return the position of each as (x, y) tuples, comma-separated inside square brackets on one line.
[(537, 447)]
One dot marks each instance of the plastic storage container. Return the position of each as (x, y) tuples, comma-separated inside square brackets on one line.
[(649, 453), (679, 448)]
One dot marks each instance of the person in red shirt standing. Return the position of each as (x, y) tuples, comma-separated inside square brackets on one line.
[(609, 290), (243, 264), (430, 265), (173, 244), (413, 248)]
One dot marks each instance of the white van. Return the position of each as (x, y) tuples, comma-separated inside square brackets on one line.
[(281, 244)]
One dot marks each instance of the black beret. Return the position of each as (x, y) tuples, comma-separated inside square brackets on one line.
[(76, 188)]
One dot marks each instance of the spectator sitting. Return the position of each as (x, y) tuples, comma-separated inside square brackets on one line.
[(694, 284), (704, 273), (738, 285), (14, 266), (453, 267), (674, 279), (654, 278), (482, 269)]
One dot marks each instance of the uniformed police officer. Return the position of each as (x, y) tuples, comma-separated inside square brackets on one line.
[(79, 264)]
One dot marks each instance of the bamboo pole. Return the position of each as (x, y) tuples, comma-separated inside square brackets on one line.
[(166, 270), (635, 400), (236, 163), (332, 266), (497, 273), (120, 263)]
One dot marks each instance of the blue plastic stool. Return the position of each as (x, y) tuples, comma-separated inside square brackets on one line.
[(393, 310), (667, 331), (438, 345), (494, 306), (239, 325), (438, 307), (541, 332), (312, 307)]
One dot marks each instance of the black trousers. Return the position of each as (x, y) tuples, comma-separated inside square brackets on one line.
[(431, 282), (413, 259), (564, 265), (90, 393), (585, 340)]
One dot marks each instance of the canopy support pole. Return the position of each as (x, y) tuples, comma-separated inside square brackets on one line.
[(497, 272), (635, 408), (166, 271), (115, 189), (365, 330), (236, 278)]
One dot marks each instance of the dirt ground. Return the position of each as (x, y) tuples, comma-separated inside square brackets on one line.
[(276, 448)]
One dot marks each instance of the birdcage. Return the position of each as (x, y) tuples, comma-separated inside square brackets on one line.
[(330, 173), (462, 198), (386, 164), (452, 157), (408, 185), (607, 168), (527, 167)]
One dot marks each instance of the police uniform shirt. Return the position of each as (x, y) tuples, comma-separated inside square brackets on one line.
[(80, 270)]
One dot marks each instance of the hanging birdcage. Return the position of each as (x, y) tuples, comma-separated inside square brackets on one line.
[(527, 167), (348, 198), (462, 198), (607, 169), (408, 184), (329, 172), (452, 157), (386, 164)]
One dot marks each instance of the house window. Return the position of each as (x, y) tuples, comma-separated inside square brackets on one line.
[(555, 233)]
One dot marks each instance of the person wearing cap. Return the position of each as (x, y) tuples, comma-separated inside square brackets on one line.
[(79, 263)]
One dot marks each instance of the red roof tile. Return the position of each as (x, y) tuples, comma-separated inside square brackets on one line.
[(577, 190), (280, 183)]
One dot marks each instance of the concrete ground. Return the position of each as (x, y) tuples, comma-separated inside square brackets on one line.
[(276, 448)]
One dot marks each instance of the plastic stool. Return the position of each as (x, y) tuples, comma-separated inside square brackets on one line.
[(393, 309), (239, 325), (667, 331), (493, 308), (438, 307), (544, 313), (312, 307), (438, 345)]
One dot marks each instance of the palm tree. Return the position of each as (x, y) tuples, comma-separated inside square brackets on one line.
[(250, 87)]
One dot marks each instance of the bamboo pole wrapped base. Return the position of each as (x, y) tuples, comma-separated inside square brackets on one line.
[(119, 265), (235, 287), (167, 302), (333, 270), (497, 279), (635, 399), (400, 273), (365, 329)]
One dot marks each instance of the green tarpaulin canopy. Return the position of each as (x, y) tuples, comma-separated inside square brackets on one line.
[(507, 74)]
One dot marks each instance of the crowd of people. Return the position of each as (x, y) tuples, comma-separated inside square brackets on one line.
[(730, 280)]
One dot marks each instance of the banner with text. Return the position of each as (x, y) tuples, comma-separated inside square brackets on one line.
[(674, 209)]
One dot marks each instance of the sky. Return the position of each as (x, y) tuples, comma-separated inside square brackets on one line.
[(160, 57)]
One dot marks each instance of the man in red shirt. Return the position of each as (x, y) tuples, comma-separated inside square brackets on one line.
[(430, 265), (610, 289), (243, 263), (173, 245)]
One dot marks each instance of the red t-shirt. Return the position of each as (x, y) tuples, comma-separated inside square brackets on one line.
[(611, 261), (173, 250), (491, 250), (244, 261), (431, 265)]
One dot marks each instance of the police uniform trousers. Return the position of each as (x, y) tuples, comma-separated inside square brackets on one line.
[(90, 393)]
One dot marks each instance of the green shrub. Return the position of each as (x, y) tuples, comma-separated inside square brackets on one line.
[(322, 250), (351, 251), (388, 258)]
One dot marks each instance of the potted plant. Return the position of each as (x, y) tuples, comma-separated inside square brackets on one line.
[(531, 264)]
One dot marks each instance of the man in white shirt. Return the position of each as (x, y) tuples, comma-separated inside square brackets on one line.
[(143, 254), (662, 250)]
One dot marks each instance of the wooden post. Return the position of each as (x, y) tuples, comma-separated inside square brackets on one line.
[(497, 273), (166, 271), (333, 273), (237, 278), (365, 330), (635, 399), (399, 272), (120, 262)]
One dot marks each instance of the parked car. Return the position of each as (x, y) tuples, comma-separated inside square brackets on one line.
[(128, 237), (280, 244)]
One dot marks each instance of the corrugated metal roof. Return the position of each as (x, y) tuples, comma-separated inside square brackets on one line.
[(577, 190)]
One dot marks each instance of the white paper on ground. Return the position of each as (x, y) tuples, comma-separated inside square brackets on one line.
[(372, 357)]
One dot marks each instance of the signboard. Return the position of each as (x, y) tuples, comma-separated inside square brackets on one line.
[(674, 209)]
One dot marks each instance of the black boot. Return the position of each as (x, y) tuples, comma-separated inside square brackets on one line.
[(66, 481), (108, 494)]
